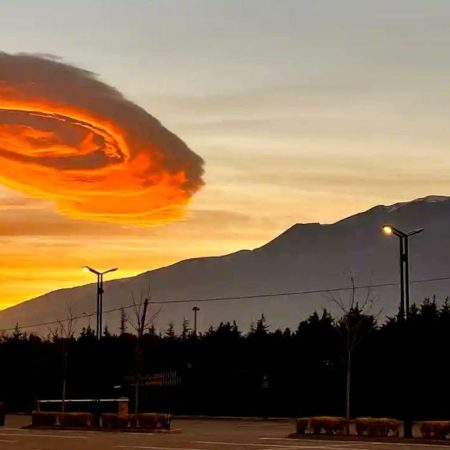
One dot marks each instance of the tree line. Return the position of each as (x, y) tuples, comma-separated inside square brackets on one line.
[(355, 364)]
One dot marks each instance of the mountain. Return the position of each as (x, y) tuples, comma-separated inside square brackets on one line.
[(305, 257)]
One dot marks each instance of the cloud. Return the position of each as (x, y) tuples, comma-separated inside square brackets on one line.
[(67, 137)]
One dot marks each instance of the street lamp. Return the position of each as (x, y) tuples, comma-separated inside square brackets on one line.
[(389, 230), (404, 305), (100, 291), (196, 309)]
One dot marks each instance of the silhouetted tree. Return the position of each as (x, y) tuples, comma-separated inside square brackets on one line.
[(354, 325), (140, 322), (17, 333), (170, 333), (185, 329), (63, 335), (123, 321)]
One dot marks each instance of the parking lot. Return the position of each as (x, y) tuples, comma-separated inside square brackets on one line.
[(188, 435)]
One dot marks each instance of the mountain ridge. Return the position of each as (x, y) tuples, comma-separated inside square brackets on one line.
[(303, 257)]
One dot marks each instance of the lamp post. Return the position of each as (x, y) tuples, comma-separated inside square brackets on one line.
[(99, 333), (196, 309), (404, 311), (100, 291), (389, 230)]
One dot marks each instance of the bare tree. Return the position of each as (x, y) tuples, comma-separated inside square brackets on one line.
[(62, 334), (355, 324), (140, 321)]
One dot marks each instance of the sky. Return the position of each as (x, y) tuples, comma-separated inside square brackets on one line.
[(303, 111)]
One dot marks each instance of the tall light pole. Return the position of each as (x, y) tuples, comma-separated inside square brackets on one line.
[(404, 265), (404, 310), (196, 309), (99, 275)]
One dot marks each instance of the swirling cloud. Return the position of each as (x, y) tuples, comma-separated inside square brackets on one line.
[(67, 137)]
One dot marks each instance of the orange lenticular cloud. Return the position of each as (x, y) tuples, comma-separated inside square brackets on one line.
[(71, 139)]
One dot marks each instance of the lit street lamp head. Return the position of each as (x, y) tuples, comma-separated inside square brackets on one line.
[(387, 230)]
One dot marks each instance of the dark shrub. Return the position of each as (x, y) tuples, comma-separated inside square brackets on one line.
[(154, 421), (43, 419), (115, 421), (379, 427), (329, 425), (302, 425), (434, 429), (76, 420)]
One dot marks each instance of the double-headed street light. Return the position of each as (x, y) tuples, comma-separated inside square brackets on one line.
[(404, 265), (404, 308), (100, 291)]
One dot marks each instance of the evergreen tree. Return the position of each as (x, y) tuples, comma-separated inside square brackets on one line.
[(17, 333), (185, 330), (123, 321), (170, 333)]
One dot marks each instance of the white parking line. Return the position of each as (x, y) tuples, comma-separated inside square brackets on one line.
[(409, 444), (330, 444), (241, 443), (279, 439), (157, 448), (27, 435), (314, 447), (270, 446), (300, 441), (139, 434)]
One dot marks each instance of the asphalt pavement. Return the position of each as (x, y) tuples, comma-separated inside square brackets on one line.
[(187, 435)]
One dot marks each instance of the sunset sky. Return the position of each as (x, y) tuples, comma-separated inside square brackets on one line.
[(303, 111)]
